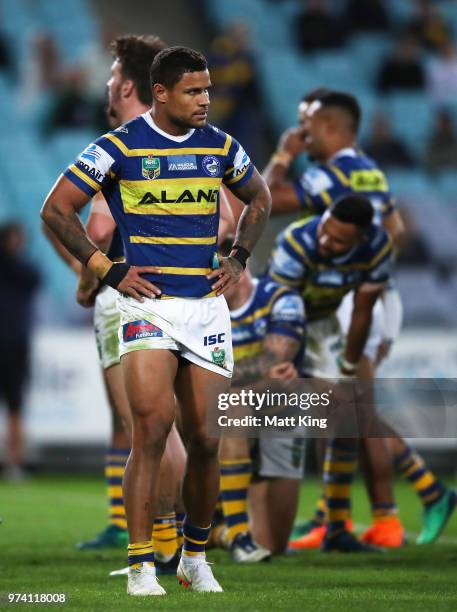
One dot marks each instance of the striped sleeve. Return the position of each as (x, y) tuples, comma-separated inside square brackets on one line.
[(93, 168), (288, 263), (239, 166), (287, 317), (313, 189), (380, 266)]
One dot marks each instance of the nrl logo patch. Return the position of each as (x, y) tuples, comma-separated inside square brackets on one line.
[(150, 167), (218, 357)]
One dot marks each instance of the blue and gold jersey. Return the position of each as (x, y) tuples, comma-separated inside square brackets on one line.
[(347, 172), (324, 282), (163, 192), (116, 249), (271, 309)]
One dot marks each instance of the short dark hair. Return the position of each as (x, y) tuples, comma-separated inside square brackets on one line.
[(170, 64), (135, 55), (346, 102), (315, 94), (353, 208)]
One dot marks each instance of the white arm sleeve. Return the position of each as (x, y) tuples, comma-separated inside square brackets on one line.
[(393, 313)]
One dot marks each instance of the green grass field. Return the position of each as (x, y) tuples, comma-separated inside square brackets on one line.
[(43, 518)]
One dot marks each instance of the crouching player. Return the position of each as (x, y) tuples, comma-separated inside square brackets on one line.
[(268, 335), (325, 258)]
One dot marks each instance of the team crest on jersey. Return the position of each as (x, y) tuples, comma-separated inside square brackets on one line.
[(150, 167), (218, 357), (260, 327), (211, 165)]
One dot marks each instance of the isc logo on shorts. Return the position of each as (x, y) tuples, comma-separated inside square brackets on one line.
[(214, 339), (137, 330)]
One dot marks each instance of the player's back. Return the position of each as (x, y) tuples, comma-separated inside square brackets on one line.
[(350, 170)]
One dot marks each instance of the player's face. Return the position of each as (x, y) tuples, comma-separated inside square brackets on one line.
[(317, 132), (188, 101), (336, 237), (114, 92)]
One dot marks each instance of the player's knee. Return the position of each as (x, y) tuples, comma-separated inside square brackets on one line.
[(151, 432), (202, 445)]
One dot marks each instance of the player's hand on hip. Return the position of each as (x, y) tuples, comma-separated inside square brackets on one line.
[(136, 286), (227, 274)]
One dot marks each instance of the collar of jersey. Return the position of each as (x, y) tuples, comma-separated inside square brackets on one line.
[(234, 314), (150, 121), (346, 152)]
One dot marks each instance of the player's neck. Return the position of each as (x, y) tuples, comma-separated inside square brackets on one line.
[(133, 110), (163, 122), (337, 147)]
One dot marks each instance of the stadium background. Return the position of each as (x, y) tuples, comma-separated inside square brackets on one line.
[(54, 66)]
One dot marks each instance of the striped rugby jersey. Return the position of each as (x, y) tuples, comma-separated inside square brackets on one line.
[(349, 171), (324, 282), (271, 309), (163, 192)]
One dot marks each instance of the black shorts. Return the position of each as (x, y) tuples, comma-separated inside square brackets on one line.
[(14, 374)]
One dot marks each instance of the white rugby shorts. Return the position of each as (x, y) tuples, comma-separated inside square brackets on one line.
[(198, 328), (324, 343), (106, 325), (279, 457), (376, 334)]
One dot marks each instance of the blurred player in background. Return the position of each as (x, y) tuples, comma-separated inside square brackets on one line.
[(268, 335), (19, 282), (166, 350), (324, 258), (329, 123)]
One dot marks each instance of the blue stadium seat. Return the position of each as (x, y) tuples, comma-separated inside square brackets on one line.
[(411, 116)]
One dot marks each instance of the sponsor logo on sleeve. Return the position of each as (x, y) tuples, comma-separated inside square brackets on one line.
[(182, 163), (315, 181), (211, 165), (288, 308), (91, 153), (150, 167), (241, 162), (137, 330), (260, 327), (95, 161)]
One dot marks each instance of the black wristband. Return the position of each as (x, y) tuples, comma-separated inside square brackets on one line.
[(242, 255), (115, 274)]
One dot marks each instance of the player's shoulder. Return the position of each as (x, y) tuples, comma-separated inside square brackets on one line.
[(304, 231), (128, 133), (377, 242), (214, 136), (120, 141), (316, 179)]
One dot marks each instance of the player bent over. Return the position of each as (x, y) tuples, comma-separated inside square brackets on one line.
[(324, 258), (161, 174)]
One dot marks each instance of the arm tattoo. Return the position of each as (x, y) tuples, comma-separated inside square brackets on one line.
[(256, 195), (276, 349), (252, 369), (71, 232)]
